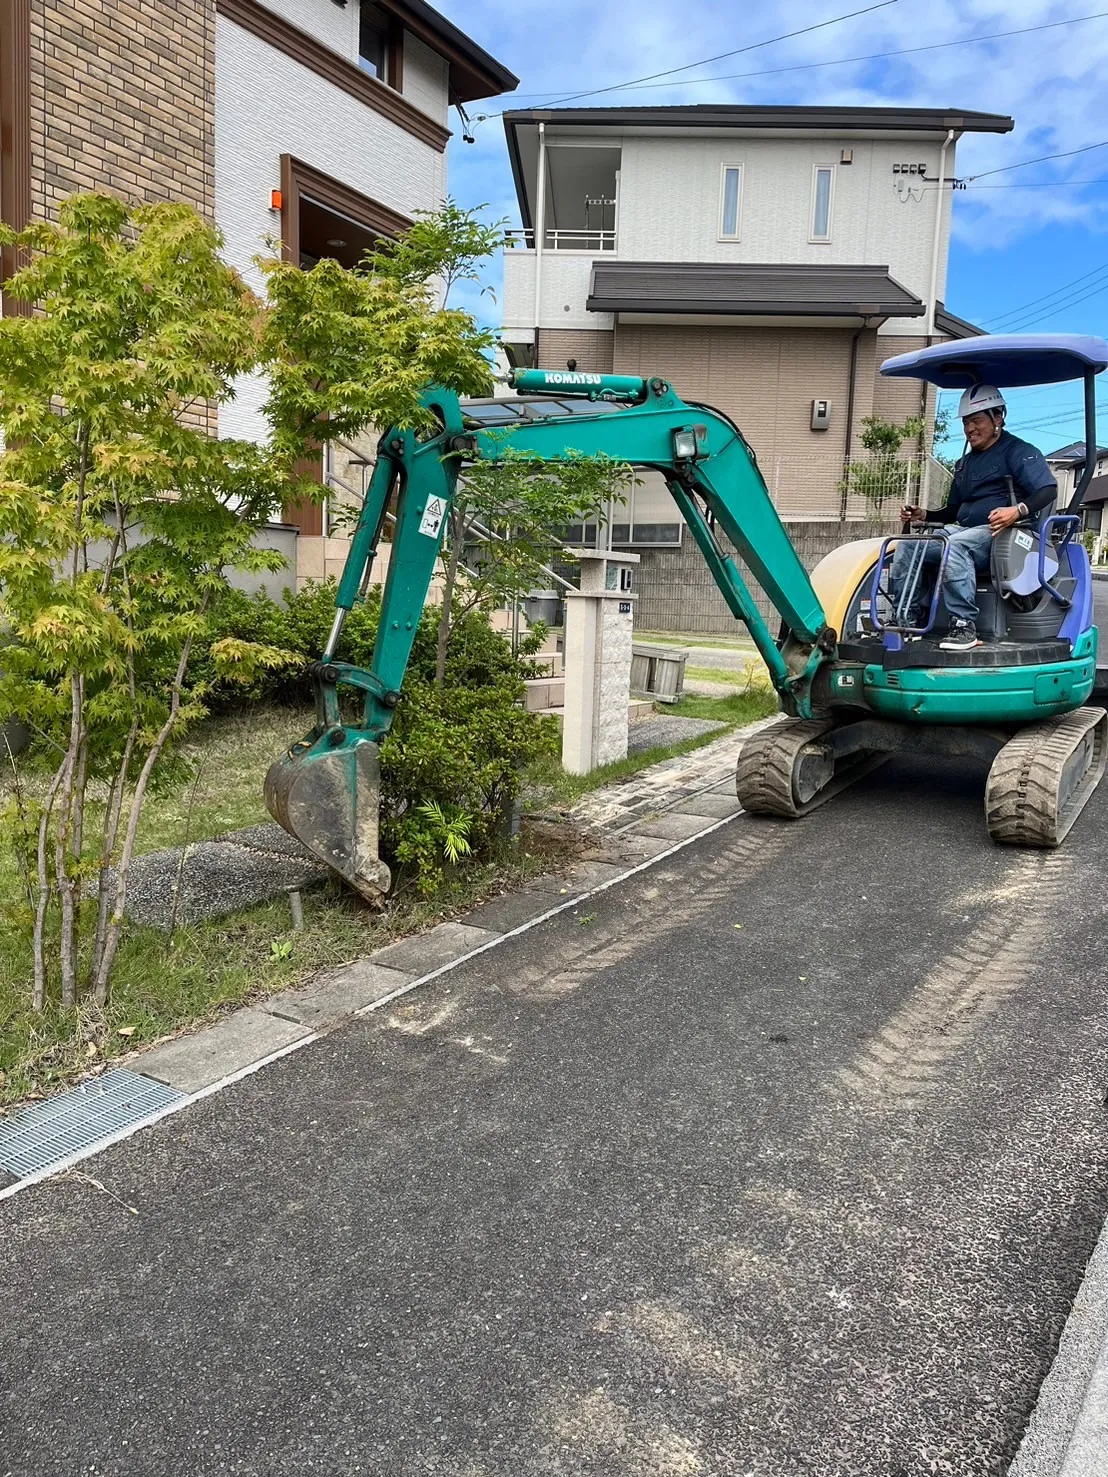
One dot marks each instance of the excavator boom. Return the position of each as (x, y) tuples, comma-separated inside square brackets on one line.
[(325, 790), (850, 698)]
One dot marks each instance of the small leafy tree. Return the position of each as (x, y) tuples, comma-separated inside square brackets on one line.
[(121, 515), (504, 520), (506, 525), (348, 350), (940, 431), (884, 474), (118, 515), (442, 249), (505, 517)]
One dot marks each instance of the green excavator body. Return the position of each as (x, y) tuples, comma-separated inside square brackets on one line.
[(325, 790)]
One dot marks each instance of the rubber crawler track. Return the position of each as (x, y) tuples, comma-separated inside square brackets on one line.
[(767, 766), (1024, 800)]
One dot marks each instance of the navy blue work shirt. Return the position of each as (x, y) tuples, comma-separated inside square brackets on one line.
[(979, 483)]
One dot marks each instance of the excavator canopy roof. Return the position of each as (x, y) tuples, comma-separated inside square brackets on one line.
[(1003, 359)]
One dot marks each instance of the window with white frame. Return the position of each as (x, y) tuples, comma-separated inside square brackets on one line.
[(730, 202), (823, 191)]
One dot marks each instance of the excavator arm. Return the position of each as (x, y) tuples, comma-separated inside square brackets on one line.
[(326, 789)]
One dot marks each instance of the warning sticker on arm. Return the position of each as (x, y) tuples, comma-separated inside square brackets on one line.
[(433, 514)]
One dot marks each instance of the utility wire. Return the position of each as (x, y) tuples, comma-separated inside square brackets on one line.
[(840, 61), (706, 60), (1062, 417), (1046, 296), (1071, 302), (1042, 159), (1046, 184)]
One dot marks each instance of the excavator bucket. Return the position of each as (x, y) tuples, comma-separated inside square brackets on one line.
[(328, 797)]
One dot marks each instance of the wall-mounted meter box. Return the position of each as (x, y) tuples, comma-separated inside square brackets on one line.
[(821, 415)]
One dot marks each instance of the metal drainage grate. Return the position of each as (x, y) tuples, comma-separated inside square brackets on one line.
[(47, 1133)]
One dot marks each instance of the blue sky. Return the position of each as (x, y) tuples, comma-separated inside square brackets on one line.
[(1011, 246)]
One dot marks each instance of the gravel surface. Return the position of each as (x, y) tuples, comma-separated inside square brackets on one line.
[(660, 732), (237, 870), (783, 1157)]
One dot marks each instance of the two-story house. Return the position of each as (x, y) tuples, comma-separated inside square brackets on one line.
[(764, 259), (316, 125), (1067, 464)]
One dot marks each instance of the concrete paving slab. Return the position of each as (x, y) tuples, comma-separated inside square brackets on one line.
[(341, 994), (672, 827), (639, 848), (502, 914), (1087, 1454), (193, 1062), (431, 950), (593, 874), (553, 884), (586, 875), (714, 803)]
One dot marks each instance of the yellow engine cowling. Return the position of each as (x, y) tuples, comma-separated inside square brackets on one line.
[(838, 576)]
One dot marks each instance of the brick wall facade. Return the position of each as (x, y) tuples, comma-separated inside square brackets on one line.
[(123, 99)]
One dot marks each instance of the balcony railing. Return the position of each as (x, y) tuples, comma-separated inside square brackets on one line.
[(521, 239)]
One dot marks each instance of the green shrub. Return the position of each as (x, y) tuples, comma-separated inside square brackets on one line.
[(450, 765)]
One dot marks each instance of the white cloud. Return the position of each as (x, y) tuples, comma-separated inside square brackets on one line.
[(1048, 81)]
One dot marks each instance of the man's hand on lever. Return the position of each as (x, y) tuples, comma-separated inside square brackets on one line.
[(1002, 518)]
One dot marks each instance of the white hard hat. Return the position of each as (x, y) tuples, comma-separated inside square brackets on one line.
[(980, 397)]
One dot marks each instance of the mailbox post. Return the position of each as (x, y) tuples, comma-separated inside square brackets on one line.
[(599, 626)]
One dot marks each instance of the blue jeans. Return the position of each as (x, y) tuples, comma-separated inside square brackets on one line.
[(969, 553)]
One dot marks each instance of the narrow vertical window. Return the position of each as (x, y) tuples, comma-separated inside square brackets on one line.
[(823, 176), (730, 204)]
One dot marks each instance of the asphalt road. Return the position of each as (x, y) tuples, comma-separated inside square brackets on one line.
[(640, 1192)]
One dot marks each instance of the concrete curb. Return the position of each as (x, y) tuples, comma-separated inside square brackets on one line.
[(206, 1061), (1067, 1435)]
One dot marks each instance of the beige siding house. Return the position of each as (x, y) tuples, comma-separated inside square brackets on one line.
[(764, 259)]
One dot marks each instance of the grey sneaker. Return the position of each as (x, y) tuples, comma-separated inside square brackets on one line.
[(962, 636)]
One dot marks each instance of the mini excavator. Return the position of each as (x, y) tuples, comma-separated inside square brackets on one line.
[(855, 682)]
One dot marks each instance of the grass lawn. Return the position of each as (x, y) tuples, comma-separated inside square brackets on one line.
[(550, 785), (678, 638), (161, 985)]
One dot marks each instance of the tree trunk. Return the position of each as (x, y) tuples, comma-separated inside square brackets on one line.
[(457, 527), (38, 1001), (108, 836), (115, 924), (63, 871)]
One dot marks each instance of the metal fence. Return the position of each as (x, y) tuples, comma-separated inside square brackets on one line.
[(676, 591), (559, 240), (863, 487)]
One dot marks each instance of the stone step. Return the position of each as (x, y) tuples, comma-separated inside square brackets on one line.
[(544, 692)]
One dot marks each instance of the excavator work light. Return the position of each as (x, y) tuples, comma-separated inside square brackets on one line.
[(686, 444)]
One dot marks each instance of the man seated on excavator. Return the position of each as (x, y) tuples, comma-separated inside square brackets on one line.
[(997, 468)]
